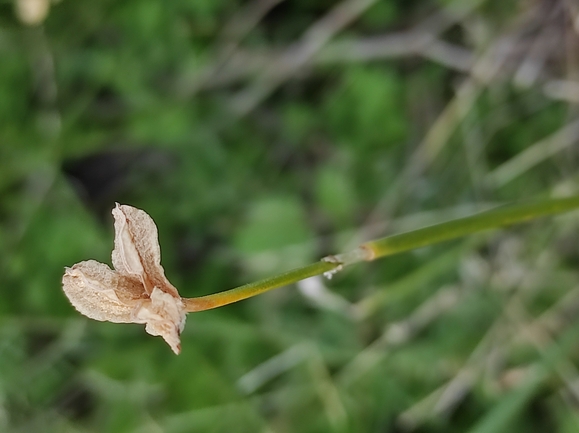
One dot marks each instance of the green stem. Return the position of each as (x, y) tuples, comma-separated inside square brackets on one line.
[(498, 217), (248, 290)]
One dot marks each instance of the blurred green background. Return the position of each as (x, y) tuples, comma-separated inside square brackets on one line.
[(261, 135)]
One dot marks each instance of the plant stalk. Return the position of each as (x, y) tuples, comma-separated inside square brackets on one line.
[(499, 217), (248, 290)]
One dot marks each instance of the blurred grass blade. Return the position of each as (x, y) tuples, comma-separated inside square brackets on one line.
[(504, 414), (501, 417)]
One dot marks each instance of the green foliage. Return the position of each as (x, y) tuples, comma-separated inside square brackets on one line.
[(364, 111), (335, 194), (272, 225), (132, 102)]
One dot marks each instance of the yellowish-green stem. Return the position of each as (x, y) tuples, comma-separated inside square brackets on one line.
[(498, 217), (248, 290)]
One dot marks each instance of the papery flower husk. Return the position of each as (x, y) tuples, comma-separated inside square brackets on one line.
[(136, 291)]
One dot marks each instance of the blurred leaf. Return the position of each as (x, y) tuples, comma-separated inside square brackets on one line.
[(335, 194), (275, 235)]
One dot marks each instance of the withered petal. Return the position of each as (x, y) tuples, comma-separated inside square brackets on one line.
[(164, 315), (130, 229), (137, 252), (93, 289)]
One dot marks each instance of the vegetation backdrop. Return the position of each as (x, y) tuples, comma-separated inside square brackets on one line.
[(262, 135)]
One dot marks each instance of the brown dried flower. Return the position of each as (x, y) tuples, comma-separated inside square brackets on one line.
[(137, 291)]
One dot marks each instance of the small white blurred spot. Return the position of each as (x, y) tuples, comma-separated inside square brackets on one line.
[(32, 12)]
